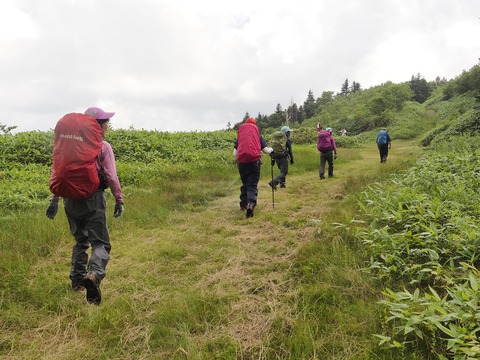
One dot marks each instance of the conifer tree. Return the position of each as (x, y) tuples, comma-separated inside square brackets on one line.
[(345, 88), (309, 105), (421, 89), (355, 87)]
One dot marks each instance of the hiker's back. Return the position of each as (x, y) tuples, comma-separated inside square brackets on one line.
[(324, 143), (77, 143), (248, 147), (278, 142), (382, 137)]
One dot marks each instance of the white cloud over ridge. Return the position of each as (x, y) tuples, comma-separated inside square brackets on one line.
[(186, 65)]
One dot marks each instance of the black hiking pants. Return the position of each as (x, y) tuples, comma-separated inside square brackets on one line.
[(250, 176), (88, 223), (383, 150), (326, 157), (282, 164)]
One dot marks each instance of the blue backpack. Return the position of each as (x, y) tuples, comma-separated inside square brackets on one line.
[(382, 137)]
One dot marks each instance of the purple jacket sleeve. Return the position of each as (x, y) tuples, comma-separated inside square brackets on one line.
[(334, 145), (106, 162)]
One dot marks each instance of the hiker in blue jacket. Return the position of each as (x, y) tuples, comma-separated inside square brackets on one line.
[(384, 143)]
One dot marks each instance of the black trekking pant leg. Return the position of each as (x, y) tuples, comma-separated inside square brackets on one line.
[(383, 150), (250, 176), (282, 164)]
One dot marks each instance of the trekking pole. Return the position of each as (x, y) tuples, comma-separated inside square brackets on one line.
[(272, 162)]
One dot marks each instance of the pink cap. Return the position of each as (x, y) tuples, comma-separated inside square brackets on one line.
[(98, 113)]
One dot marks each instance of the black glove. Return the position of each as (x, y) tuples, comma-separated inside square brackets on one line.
[(291, 161), (52, 209), (335, 156), (118, 209)]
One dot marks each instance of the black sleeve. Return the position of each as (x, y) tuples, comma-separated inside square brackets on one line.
[(263, 143), (289, 149)]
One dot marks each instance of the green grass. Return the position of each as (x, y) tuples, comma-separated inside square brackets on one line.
[(191, 278)]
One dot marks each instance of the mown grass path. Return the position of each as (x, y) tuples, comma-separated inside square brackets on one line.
[(202, 279), (254, 262)]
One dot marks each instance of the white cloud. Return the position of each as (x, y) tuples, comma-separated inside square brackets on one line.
[(14, 23), (187, 65)]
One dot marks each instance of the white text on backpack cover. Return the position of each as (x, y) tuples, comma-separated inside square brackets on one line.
[(73, 137)]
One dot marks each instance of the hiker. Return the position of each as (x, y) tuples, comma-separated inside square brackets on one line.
[(281, 156), (248, 150), (328, 150), (384, 143), (87, 217)]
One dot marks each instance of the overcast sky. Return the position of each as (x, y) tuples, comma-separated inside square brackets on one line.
[(184, 65)]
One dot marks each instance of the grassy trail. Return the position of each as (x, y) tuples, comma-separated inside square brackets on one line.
[(202, 279), (260, 250)]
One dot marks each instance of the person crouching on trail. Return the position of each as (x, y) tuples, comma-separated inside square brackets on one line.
[(248, 150), (281, 159), (87, 214)]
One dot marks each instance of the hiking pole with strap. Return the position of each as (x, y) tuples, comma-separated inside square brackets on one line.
[(272, 162)]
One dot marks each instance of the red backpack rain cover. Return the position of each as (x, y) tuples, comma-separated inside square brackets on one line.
[(78, 141), (248, 147)]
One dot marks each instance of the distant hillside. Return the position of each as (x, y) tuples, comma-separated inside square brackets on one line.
[(407, 109)]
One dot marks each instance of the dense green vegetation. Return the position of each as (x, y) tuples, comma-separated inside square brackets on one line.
[(360, 110), (394, 264), (422, 235)]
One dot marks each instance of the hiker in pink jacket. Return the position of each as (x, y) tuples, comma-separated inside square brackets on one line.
[(87, 218), (328, 150)]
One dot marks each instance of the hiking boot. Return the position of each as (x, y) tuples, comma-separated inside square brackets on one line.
[(283, 185), (273, 185), (77, 286), (250, 208), (91, 283)]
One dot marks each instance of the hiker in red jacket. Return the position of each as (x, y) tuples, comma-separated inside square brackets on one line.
[(248, 150), (88, 221)]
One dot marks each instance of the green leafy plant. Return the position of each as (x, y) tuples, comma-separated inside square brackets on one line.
[(445, 325)]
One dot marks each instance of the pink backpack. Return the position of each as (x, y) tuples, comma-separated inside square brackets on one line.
[(324, 143), (248, 147)]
